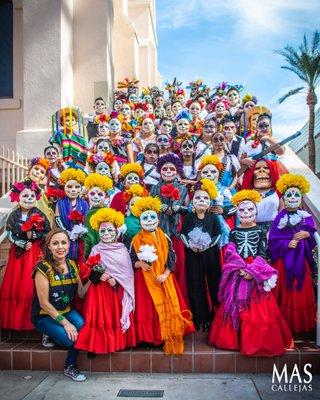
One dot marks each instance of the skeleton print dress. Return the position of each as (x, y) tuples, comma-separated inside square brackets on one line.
[(250, 242)]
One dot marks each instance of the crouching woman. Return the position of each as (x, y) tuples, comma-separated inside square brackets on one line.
[(57, 283)]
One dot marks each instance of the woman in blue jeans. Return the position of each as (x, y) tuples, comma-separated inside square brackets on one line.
[(57, 282)]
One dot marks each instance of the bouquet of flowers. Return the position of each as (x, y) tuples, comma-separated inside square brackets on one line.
[(198, 239), (35, 223), (97, 269), (78, 230), (170, 192), (147, 254), (54, 194)]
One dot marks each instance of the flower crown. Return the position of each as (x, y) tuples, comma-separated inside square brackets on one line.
[(106, 215), (213, 159), (208, 186), (101, 181), (213, 105), (244, 195), (135, 190), (43, 162), (146, 204), (249, 97), (291, 180), (72, 174), (95, 159), (132, 167), (18, 187)]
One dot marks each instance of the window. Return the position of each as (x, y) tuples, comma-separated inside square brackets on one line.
[(6, 49)]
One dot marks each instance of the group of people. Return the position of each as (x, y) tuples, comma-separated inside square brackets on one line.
[(163, 216)]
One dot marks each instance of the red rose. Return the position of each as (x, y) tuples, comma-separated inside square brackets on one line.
[(176, 194), (167, 190), (76, 217), (93, 260), (35, 222)]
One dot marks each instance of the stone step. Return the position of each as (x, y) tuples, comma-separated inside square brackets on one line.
[(28, 354)]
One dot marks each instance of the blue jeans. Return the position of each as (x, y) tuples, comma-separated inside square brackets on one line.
[(51, 328)]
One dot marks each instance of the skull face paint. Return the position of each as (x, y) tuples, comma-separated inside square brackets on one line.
[(149, 220), (180, 99), (234, 97), (168, 172), (107, 232), (27, 199), (103, 147), (103, 169), (51, 155), (201, 201), (195, 109), (117, 105), (99, 107), (262, 178), (187, 149), (248, 105), (292, 198), (130, 179), (247, 212), (220, 108), (125, 110), (37, 173), (115, 125), (183, 126), (103, 129), (150, 108), (147, 126), (72, 189), (176, 107), (211, 172), (163, 141), (159, 101), (133, 98), (97, 197), (138, 113)]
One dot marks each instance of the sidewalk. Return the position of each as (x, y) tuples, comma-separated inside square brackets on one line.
[(33, 385)]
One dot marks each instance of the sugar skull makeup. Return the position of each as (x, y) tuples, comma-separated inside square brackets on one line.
[(187, 148), (183, 126), (176, 107), (201, 200), (247, 212), (234, 98), (166, 127), (195, 109), (51, 155), (72, 189), (149, 220), (100, 107), (125, 110), (97, 197), (107, 232), (27, 199), (133, 98), (211, 172), (114, 125), (131, 179), (117, 105), (103, 129), (220, 108), (262, 178), (168, 172), (147, 125), (37, 173), (292, 198), (103, 169), (159, 101), (103, 147)]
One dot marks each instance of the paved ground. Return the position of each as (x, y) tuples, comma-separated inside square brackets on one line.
[(54, 386)]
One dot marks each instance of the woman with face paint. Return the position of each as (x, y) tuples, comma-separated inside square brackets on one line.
[(161, 314), (200, 234), (219, 109), (131, 173), (98, 187), (149, 164), (249, 318), (121, 145), (147, 135), (52, 154), (233, 93), (196, 123), (92, 121), (170, 168), (26, 227), (291, 241), (110, 300), (182, 120), (164, 142), (190, 164), (204, 146), (71, 211)]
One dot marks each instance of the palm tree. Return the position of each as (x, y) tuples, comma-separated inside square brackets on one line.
[(305, 63)]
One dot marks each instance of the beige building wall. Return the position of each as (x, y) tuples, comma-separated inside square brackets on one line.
[(68, 52)]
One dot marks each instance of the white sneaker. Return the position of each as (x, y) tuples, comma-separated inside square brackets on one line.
[(73, 373), (47, 342)]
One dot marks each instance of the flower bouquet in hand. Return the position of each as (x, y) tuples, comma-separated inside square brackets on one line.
[(78, 230), (198, 240), (54, 194), (147, 254), (34, 223), (97, 269), (169, 194)]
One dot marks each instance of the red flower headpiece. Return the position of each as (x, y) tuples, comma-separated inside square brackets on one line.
[(213, 105), (18, 187)]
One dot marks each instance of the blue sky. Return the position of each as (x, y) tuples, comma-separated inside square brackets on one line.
[(233, 40)]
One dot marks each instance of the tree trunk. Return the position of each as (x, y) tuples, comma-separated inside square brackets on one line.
[(311, 101)]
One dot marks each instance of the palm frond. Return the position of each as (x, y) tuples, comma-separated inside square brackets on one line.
[(290, 93), (298, 72), (315, 42)]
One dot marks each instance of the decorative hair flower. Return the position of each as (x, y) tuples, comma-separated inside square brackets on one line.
[(249, 97), (287, 181), (106, 215), (213, 160), (183, 114), (96, 158), (135, 190), (170, 192), (96, 180), (146, 204), (34, 222), (132, 167), (213, 105), (18, 187), (207, 186), (244, 195), (43, 162), (72, 174)]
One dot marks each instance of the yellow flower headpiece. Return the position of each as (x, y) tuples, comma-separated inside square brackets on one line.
[(287, 181), (72, 174), (146, 204), (106, 215), (208, 186), (101, 181), (131, 167), (135, 190), (244, 195), (214, 160)]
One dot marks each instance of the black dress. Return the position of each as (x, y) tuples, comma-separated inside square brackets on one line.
[(203, 272)]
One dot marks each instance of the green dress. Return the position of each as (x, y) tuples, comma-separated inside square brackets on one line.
[(92, 236)]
